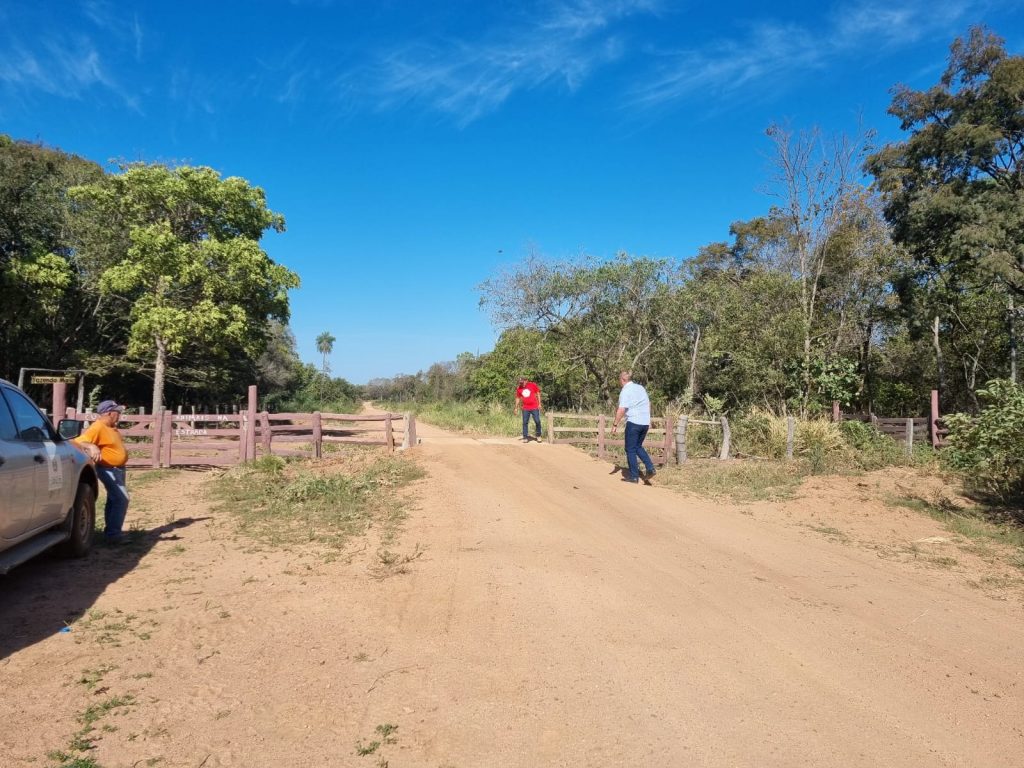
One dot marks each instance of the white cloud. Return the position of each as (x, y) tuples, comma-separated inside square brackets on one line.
[(69, 65), (467, 80), (771, 50)]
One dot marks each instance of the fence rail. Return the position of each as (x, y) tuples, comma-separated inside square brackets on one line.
[(910, 430), (596, 434), (215, 439)]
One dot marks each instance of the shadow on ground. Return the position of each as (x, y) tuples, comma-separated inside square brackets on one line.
[(41, 597)]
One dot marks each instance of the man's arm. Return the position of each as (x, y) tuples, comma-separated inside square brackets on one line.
[(85, 441), (619, 416)]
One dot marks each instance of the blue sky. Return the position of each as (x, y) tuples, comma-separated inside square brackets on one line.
[(416, 149)]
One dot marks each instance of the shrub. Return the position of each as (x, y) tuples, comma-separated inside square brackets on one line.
[(989, 448), (869, 448)]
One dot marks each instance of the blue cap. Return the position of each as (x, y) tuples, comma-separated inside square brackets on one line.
[(109, 405)]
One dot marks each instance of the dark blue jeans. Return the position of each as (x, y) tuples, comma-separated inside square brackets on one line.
[(113, 479), (535, 412), (635, 434)]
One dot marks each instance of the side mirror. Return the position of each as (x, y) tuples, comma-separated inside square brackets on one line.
[(70, 428)]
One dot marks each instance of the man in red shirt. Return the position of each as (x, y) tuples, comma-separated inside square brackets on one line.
[(528, 401)]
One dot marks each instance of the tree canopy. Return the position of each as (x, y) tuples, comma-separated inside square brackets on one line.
[(191, 273)]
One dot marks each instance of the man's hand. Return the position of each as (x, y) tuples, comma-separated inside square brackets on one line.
[(91, 449)]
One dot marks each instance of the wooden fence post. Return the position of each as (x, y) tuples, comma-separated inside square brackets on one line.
[(837, 415), (933, 423), (250, 435), (405, 426), (411, 429), (60, 401), (551, 428), (318, 435), (726, 436), (790, 435), (389, 435), (910, 437), (265, 433), (681, 439), (158, 431), (168, 436), (600, 436), (666, 443)]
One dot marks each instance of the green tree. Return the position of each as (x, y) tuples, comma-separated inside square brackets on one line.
[(954, 188), (182, 260), (815, 180), (47, 316), (603, 316), (325, 345)]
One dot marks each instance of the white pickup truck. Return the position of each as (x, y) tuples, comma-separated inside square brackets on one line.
[(48, 485)]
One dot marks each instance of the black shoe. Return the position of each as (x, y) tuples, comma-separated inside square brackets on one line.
[(630, 480), (652, 473)]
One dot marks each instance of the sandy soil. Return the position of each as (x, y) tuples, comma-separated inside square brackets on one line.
[(557, 617)]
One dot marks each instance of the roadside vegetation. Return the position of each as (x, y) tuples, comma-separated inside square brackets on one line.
[(281, 503)]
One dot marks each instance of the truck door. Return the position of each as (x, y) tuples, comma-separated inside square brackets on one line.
[(35, 432), (18, 476)]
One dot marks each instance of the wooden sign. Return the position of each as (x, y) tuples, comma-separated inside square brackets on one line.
[(66, 379)]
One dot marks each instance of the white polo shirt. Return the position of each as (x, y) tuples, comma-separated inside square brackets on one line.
[(633, 398)]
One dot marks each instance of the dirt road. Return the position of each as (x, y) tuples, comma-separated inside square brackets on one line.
[(557, 617)]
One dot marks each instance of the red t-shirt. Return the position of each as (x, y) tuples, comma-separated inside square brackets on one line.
[(528, 395)]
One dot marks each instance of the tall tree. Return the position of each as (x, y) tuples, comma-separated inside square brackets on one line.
[(816, 182), (46, 312), (954, 188), (325, 345), (191, 271), (604, 316)]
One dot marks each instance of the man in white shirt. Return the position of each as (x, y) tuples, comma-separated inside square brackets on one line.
[(635, 408)]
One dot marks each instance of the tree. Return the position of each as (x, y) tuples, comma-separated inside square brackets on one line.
[(46, 313), (954, 189), (325, 345), (603, 316), (815, 179), (189, 271)]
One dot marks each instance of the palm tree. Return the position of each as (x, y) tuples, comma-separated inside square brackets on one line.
[(324, 345)]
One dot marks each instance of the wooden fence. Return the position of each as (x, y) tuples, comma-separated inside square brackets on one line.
[(226, 439), (908, 430), (594, 433)]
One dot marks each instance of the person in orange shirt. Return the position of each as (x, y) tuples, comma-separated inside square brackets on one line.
[(104, 445)]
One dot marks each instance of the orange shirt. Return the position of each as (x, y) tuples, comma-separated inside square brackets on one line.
[(108, 440)]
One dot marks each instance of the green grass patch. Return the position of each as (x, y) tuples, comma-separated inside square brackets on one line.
[(281, 503), (738, 481)]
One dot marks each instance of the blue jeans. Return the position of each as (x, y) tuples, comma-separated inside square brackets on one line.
[(535, 412), (113, 479), (635, 434)]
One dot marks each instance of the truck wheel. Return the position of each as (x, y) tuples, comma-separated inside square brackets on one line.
[(81, 522)]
